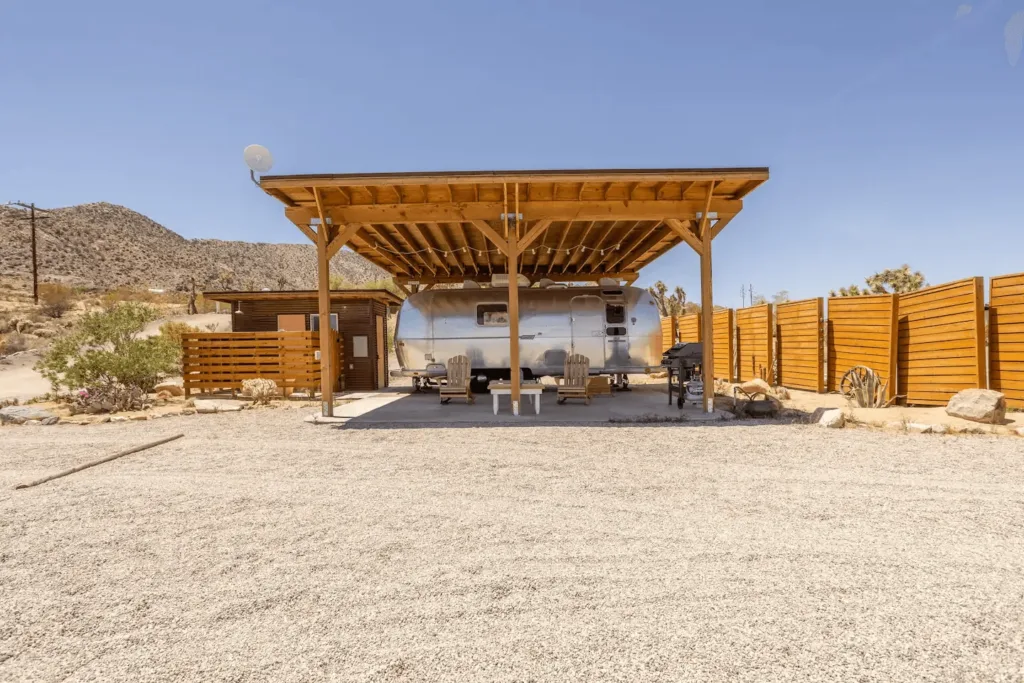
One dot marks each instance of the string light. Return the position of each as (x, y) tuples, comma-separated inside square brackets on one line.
[(579, 247)]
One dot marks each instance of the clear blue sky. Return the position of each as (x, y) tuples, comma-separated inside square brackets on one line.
[(893, 128)]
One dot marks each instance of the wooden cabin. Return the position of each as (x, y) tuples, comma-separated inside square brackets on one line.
[(360, 315)]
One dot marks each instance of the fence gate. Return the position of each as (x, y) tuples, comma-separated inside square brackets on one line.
[(754, 343)]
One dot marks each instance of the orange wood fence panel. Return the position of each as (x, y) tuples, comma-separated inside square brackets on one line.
[(754, 343), (688, 328), (799, 345), (1006, 337), (942, 341), (724, 324), (668, 333), (220, 361), (862, 330)]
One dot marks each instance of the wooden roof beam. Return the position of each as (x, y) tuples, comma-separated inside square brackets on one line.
[(624, 251), (536, 231), (561, 245), (639, 253), (583, 242), (446, 246), (556, 276), (492, 234), (432, 247), (593, 259), (534, 211), (417, 251), (396, 248), (720, 224), (686, 233)]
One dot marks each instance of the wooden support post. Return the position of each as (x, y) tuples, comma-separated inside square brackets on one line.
[(323, 262), (707, 313), (513, 301)]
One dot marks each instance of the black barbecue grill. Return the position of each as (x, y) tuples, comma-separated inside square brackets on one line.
[(683, 362)]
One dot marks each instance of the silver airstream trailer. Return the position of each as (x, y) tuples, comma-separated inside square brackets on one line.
[(618, 328)]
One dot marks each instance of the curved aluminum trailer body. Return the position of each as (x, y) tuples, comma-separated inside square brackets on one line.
[(617, 328)]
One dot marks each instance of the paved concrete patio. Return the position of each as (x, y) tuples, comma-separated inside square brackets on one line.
[(400, 406)]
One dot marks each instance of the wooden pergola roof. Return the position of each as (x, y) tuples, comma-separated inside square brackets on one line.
[(381, 295), (575, 225)]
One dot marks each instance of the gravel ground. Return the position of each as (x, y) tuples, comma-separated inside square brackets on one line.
[(260, 548)]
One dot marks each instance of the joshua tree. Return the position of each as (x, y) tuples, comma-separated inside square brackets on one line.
[(891, 281), (668, 304)]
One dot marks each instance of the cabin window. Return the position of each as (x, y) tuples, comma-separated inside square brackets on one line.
[(615, 314), (616, 331), (314, 322), (492, 315), (360, 346)]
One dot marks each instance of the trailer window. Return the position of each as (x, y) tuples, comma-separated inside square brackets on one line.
[(616, 331), (615, 314), (492, 315)]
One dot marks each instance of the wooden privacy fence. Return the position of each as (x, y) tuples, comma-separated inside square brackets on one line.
[(688, 328), (754, 348), (1006, 337), (862, 330), (221, 361), (668, 333), (722, 333), (798, 344), (941, 341)]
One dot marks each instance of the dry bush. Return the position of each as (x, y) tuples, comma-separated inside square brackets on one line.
[(176, 330), (259, 390), (56, 299), (12, 343), (107, 396)]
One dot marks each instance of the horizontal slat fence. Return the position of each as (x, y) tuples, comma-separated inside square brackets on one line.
[(668, 333), (942, 341), (688, 328), (754, 343), (799, 348), (221, 361), (1006, 337), (722, 331), (862, 330)]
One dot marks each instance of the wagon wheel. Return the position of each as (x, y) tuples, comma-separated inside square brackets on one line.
[(853, 378)]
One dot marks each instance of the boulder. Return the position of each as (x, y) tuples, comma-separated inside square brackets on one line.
[(22, 414), (756, 386), (118, 418), (829, 418), (917, 428), (978, 405), (216, 405), (172, 388), (759, 409)]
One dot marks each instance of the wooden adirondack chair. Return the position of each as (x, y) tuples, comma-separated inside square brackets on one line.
[(458, 380), (576, 381)]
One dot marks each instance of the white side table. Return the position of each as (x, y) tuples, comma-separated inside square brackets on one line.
[(531, 389)]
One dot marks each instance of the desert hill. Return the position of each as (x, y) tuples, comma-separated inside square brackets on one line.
[(105, 246)]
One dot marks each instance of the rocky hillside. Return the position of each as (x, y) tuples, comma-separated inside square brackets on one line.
[(106, 246)]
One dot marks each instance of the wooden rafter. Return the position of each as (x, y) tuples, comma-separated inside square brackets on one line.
[(557, 276), (446, 246), (307, 231), (459, 231), (580, 195), (396, 248), (629, 190), (342, 238), (583, 241), (492, 234), (561, 245), (417, 251), (624, 250), (707, 209), (432, 248), (640, 252), (593, 259), (539, 228), (451, 194), (658, 187), (684, 187)]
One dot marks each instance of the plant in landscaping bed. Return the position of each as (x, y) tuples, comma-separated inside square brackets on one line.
[(105, 348)]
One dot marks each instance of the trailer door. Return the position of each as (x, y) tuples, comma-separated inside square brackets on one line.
[(587, 318)]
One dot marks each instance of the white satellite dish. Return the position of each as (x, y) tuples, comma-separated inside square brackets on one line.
[(257, 158)]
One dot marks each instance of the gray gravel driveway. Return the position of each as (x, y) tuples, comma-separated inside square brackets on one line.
[(260, 548)]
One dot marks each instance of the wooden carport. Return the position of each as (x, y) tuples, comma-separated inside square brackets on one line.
[(429, 228)]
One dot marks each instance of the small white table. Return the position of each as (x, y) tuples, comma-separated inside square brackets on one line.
[(531, 389)]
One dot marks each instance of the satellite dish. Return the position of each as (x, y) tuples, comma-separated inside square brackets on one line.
[(257, 158)]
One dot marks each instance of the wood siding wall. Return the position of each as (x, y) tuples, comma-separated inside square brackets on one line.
[(355, 318), (799, 347), (862, 330), (754, 343), (688, 328), (1006, 337), (942, 341), (722, 332)]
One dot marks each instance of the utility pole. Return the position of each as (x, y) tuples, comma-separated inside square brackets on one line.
[(35, 265), (743, 296)]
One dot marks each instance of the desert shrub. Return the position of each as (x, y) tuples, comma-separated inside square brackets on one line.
[(259, 390), (107, 396), (175, 330), (105, 347), (12, 342), (56, 299)]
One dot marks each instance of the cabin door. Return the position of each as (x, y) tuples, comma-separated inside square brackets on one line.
[(588, 328)]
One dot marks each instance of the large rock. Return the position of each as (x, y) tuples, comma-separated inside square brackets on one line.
[(171, 387), (22, 414), (759, 409), (978, 405), (755, 386), (217, 405), (829, 418)]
